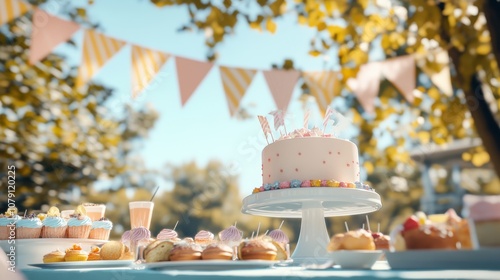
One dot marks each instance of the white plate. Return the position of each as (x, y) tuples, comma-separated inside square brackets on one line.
[(84, 264), (32, 250), (210, 265), (357, 259), (444, 259)]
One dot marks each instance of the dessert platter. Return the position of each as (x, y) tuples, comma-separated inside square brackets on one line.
[(310, 175)]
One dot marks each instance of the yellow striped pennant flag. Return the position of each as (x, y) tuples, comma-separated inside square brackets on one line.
[(324, 86), (235, 82), (146, 63), (97, 50), (11, 9)]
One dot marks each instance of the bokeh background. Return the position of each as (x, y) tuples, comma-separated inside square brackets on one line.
[(100, 145)]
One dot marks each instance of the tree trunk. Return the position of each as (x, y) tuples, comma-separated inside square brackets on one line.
[(484, 120)]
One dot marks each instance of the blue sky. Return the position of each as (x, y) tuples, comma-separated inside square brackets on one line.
[(201, 130)]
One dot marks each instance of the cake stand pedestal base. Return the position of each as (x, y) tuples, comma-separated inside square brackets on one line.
[(313, 238)]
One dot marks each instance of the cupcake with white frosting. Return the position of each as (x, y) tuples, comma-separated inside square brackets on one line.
[(100, 229)]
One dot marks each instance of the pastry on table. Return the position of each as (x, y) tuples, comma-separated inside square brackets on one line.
[(28, 227), (418, 232), (168, 234), (281, 241), (100, 229), (79, 224), (54, 226), (204, 237), (95, 254), (75, 253), (257, 249), (382, 241), (217, 251), (352, 240), (231, 236), (112, 250), (158, 251), (183, 251), (54, 256)]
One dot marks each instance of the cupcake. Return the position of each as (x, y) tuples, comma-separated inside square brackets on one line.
[(29, 227), (95, 254), (53, 225), (7, 222), (79, 224), (100, 229), (54, 256), (76, 254)]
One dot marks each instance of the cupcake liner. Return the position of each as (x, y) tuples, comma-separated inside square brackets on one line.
[(26, 233), (79, 231), (54, 232), (99, 233)]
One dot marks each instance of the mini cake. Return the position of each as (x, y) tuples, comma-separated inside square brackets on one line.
[(79, 224), (28, 227), (420, 234), (53, 225), (231, 236), (100, 229), (75, 253), (310, 158), (112, 250), (257, 249), (204, 238), (7, 222), (95, 254), (55, 256), (217, 251), (183, 251), (158, 251), (352, 240)]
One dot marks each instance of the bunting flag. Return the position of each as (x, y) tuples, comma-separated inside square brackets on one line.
[(97, 50), (235, 82), (190, 73), (400, 71), (366, 85), (11, 9), (442, 79), (281, 84), (146, 63), (324, 86), (47, 33)]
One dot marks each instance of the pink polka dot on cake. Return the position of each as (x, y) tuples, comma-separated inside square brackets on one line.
[(338, 153), (300, 153), (277, 155), (296, 169), (281, 170)]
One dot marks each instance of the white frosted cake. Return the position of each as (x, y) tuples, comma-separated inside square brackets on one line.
[(308, 158)]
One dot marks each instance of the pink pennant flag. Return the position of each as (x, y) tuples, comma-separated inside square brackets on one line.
[(190, 73), (47, 33), (306, 118), (328, 113), (281, 84), (400, 71), (279, 119), (265, 127), (366, 85)]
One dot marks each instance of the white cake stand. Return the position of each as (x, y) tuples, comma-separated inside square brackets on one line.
[(312, 205)]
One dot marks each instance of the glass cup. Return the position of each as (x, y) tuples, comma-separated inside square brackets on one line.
[(141, 213), (95, 212)]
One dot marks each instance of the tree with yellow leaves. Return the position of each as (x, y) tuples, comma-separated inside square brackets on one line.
[(350, 29)]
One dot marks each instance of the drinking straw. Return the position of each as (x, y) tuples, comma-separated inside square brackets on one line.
[(346, 227), (368, 223), (157, 187)]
